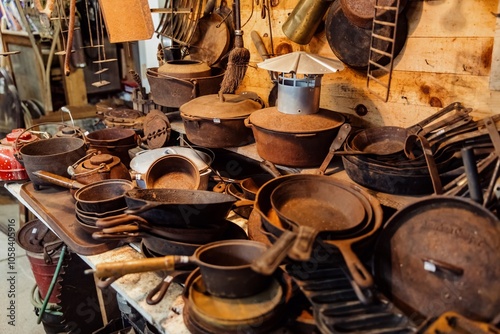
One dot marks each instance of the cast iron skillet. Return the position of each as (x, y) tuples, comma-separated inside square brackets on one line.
[(344, 243), (441, 253)]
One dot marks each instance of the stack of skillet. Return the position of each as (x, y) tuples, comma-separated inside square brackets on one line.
[(411, 161), (295, 212)]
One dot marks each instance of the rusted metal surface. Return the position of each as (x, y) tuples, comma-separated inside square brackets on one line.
[(57, 209), (52, 155), (449, 245), (303, 139), (351, 44), (172, 171), (218, 121), (173, 92)]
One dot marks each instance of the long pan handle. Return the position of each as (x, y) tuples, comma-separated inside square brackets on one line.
[(302, 247), (417, 127), (121, 219), (109, 272), (58, 180)]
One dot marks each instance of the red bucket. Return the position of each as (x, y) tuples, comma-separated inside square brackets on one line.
[(43, 251), (43, 274)]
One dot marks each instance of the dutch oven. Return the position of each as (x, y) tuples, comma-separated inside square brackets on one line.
[(303, 140), (219, 121), (114, 141), (170, 91), (53, 155), (201, 158)]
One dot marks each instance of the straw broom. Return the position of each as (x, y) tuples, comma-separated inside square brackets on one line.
[(238, 57)]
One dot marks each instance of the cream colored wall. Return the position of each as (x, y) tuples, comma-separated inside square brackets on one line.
[(447, 57)]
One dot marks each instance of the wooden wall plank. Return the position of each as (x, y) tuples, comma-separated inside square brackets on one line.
[(451, 18), (495, 58), (447, 58), (460, 55)]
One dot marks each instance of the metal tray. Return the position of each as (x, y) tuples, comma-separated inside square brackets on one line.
[(57, 209)]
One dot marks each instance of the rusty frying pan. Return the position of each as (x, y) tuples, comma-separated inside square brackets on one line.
[(389, 140), (125, 224), (211, 38), (317, 207), (178, 207), (441, 253), (341, 242)]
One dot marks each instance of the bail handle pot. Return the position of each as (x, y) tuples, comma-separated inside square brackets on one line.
[(224, 265), (170, 91)]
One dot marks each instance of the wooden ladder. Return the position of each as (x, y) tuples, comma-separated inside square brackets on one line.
[(384, 16)]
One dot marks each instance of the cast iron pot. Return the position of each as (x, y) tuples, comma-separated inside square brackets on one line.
[(53, 155), (224, 265), (169, 91), (306, 146), (216, 122)]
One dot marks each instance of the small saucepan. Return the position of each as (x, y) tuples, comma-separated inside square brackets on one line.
[(172, 171), (224, 265)]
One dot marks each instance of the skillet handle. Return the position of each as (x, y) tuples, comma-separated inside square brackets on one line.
[(109, 272), (302, 247), (268, 262), (356, 268), (156, 295), (417, 127), (121, 219)]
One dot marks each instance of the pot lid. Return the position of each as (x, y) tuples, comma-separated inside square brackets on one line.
[(272, 119), (34, 235), (231, 106), (141, 162), (301, 62), (449, 245), (156, 129)]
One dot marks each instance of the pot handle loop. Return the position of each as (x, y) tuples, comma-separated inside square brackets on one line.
[(195, 91)]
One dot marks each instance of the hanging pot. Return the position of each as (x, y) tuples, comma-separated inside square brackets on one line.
[(169, 91), (351, 44), (218, 121), (303, 140)]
